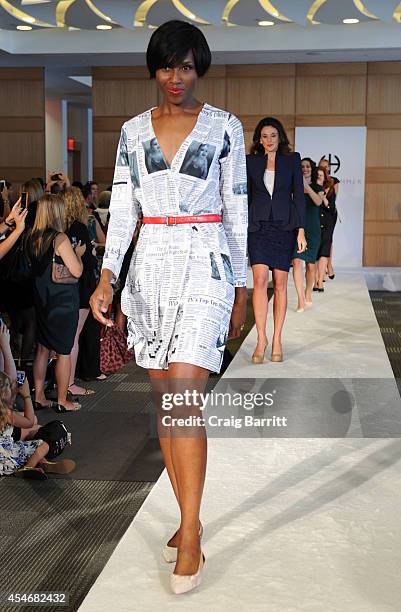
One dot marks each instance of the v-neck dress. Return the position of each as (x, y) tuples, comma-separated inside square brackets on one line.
[(181, 282)]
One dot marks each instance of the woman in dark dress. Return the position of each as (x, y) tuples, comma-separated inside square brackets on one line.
[(18, 295), (313, 199), (76, 219), (325, 164), (328, 218), (56, 305), (276, 225)]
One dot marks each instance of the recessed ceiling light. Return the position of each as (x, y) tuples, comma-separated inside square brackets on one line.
[(350, 21), (103, 26), (266, 23), (24, 28)]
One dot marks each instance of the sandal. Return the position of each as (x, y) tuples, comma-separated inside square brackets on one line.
[(30, 473), (63, 466), (86, 391)]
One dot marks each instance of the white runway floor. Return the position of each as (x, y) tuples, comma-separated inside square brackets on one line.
[(291, 524)]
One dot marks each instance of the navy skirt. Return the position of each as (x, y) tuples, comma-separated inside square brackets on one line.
[(272, 246)]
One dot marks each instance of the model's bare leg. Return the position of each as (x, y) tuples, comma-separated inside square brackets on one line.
[(260, 304), (280, 280), (321, 271), (310, 279), (160, 385), (297, 271), (188, 448), (330, 270)]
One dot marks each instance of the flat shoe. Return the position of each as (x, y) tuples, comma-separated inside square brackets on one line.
[(182, 584), (60, 409), (30, 473), (86, 392), (331, 276), (300, 310), (63, 466), (38, 406), (170, 552)]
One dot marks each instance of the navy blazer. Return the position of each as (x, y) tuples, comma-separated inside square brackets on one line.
[(288, 201)]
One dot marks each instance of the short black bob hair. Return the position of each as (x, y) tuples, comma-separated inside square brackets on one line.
[(258, 149), (171, 42)]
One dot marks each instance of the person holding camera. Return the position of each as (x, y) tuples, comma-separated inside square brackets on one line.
[(15, 225)]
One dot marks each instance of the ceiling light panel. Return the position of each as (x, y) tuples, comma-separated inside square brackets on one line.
[(23, 16), (120, 11), (333, 12), (249, 14), (80, 15), (295, 11), (383, 9)]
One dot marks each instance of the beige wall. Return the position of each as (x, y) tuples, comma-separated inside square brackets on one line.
[(54, 136), (300, 95), (22, 123)]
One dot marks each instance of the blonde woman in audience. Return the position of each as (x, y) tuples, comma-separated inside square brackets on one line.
[(56, 305)]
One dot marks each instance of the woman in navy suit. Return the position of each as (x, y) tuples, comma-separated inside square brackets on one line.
[(276, 225)]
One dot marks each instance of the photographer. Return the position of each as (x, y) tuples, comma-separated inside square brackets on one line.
[(15, 224)]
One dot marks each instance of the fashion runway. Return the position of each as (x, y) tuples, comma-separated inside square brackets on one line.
[(291, 522)]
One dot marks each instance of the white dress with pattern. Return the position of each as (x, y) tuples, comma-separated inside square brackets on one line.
[(179, 291)]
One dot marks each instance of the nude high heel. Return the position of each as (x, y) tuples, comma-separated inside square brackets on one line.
[(170, 552), (276, 357), (259, 358), (183, 584)]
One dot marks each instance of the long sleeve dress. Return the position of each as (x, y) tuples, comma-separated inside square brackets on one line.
[(180, 291)]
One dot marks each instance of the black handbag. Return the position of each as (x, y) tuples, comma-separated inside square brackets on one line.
[(56, 436), (16, 265)]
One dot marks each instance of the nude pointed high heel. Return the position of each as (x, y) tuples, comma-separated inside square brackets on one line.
[(259, 358), (170, 552), (183, 584)]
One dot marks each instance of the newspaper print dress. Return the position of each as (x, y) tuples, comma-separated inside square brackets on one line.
[(179, 291)]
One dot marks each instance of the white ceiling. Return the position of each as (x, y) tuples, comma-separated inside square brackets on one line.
[(130, 14), (64, 38)]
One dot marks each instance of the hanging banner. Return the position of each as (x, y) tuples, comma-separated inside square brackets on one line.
[(345, 150)]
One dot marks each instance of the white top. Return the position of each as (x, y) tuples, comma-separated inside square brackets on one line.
[(269, 180)]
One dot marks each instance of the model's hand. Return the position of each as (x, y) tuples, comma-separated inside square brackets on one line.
[(238, 314), (101, 300), (301, 241)]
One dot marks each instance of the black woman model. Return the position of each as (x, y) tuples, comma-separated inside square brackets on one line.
[(276, 225), (185, 293)]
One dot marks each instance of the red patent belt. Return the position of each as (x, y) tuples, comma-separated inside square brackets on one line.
[(170, 220)]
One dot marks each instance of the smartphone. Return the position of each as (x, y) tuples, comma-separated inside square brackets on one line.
[(20, 378), (2, 185), (24, 199)]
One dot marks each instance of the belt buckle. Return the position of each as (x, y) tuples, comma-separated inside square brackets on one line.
[(167, 220)]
